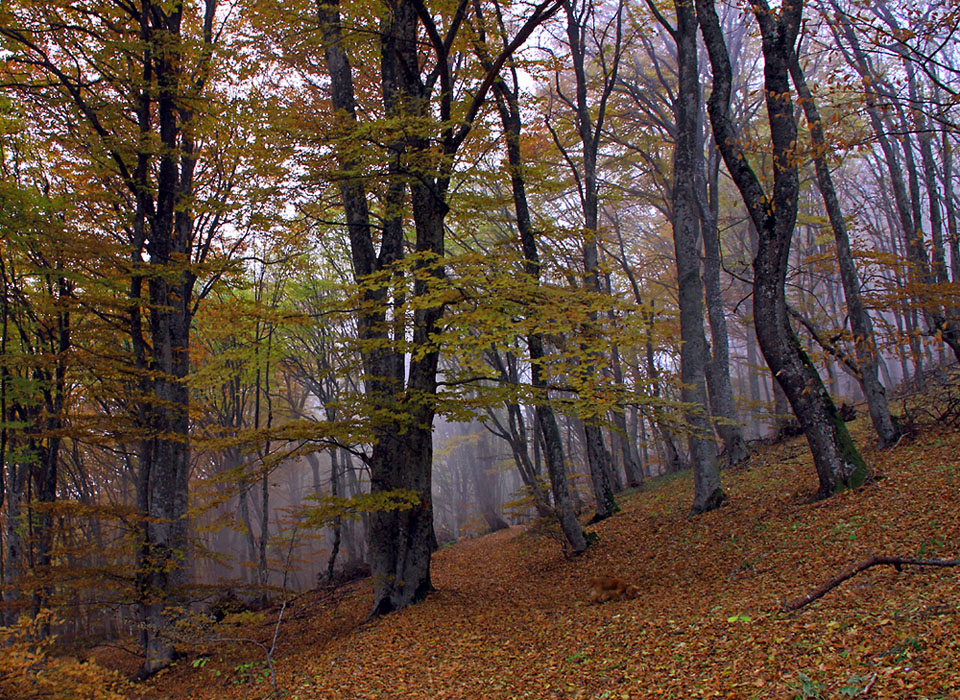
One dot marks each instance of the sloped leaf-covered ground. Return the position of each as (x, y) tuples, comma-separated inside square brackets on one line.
[(510, 618)]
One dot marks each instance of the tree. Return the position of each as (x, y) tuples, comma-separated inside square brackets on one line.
[(686, 235), (131, 93), (511, 117), (37, 338), (865, 346), (583, 26), (420, 161), (837, 460)]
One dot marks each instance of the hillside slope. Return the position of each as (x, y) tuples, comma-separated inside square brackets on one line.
[(510, 618)]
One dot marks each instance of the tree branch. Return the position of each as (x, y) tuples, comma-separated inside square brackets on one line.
[(897, 562)]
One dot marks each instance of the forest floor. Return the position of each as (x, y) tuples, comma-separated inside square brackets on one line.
[(511, 617)]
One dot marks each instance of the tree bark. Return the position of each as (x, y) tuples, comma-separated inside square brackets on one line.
[(686, 236), (837, 460), (865, 347)]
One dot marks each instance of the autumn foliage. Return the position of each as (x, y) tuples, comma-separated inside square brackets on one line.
[(30, 668)]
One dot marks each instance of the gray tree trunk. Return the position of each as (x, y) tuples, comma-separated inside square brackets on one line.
[(686, 236), (865, 346), (836, 458), (398, 384), (589, 121), (718, 361)]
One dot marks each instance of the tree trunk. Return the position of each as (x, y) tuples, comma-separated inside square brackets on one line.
[(13, 556), (865, 346), (589, 124), (337, 521), (950, 204), (836, 458), (686, 235), (402, 541), (671, 456), (545, 418), (485, 485), (718, 361)]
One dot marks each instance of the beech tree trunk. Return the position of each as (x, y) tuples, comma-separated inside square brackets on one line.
[(686, 236), (589, 122), (718, 360), (401, 387), (168, 235), (14, 561), (837, 459), (865, 347), (152, 164), (546, 421), (672, 462)]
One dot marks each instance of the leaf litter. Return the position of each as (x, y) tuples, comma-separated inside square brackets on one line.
[(510, 617)]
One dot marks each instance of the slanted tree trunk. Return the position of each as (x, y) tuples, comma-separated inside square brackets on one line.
[(837, 460), (545, 417), (865, 347)]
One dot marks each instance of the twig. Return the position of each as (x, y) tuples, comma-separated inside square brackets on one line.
[(897, 562), (867, 687), (269, 650)]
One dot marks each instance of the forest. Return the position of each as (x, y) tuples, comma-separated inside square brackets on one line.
[(297, 295)]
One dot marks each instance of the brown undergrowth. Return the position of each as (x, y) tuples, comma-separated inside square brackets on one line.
[(510, 618)]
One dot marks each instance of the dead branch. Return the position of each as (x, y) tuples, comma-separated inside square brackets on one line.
[(896, 562)]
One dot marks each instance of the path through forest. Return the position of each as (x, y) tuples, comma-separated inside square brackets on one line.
[(510, 618)]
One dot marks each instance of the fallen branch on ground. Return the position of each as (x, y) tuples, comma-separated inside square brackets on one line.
[(897, 562)]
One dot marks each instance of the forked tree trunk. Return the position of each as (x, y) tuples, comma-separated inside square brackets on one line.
[(402, 387)]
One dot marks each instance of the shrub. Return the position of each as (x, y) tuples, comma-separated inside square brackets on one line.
[(29, 670)]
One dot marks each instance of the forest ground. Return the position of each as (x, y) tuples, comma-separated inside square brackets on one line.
[(511, 618)]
